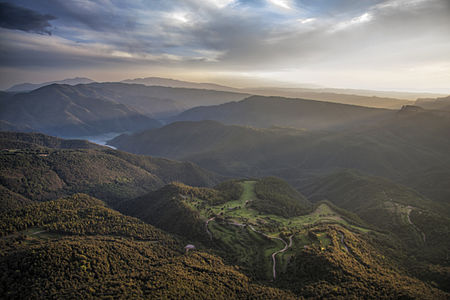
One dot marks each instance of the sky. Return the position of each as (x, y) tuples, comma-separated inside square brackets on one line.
[(365, 44)]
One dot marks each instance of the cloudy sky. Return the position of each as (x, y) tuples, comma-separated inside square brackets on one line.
[(372, 44)]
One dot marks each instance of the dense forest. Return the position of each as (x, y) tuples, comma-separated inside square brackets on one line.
[(77, 247), (80, 220)]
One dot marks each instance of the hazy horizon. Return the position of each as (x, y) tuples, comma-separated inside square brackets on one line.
[(253, 83), (389, 45)]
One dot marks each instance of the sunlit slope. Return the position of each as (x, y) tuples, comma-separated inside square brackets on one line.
[(77, 247), (402, 148), (285, 250)]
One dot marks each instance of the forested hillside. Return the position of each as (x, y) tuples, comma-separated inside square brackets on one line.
[(403, 148), (76, 247), (30, 171)]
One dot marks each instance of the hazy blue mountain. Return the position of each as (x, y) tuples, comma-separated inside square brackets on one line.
[(375, 99), (402, 146), (157, 101), (158, 81), (265, 112), (63, 111), (25, 87), (97, 108)]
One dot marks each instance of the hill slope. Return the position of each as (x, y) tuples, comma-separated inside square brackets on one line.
[(90, 109), (83, 249), (265, 112), (376, 200), (404, 146), (21, 140), (324, 254), (157, 101), (62, 110), (40, 173)]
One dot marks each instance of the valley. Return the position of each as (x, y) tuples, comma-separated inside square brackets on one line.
[(225, 149), (345, 223)]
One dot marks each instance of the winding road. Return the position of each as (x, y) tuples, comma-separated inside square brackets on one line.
[(342, 240), (286, 246), (274, 260), (413, 225), (206, 228), (408, 211)]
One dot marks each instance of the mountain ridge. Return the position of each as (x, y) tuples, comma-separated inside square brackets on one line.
[(26, 87)]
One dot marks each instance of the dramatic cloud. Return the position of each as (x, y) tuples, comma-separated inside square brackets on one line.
[(367, 43), (16, 17)]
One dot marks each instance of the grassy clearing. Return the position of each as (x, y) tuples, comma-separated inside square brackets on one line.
[(252, 250), (238, 211)]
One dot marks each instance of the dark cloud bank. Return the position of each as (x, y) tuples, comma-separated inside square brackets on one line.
[(20, 18)]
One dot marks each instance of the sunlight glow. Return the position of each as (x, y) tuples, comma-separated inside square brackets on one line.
[(281, 3)]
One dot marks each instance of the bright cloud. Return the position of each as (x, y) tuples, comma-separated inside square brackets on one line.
[(281, 3), (375, 41)]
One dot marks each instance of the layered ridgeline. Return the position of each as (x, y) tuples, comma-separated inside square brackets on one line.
[(62, 110), (378, 99), (265, 112), (90, 109), (410, 143), (168, 82), (26, 87), (76, 247), (39, 167), (368, 98), (315, 251)]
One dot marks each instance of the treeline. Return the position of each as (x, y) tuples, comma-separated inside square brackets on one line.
[(78, 214), (275, 196)]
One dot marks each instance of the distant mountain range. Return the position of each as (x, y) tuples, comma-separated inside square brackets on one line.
[(377, 99), (26, 87), (401, 145), (368, 98), (96, 108), (158, 81), (265, 112), (63, 111)]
